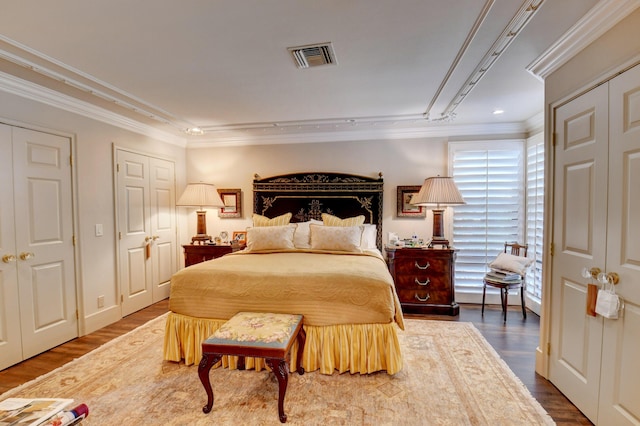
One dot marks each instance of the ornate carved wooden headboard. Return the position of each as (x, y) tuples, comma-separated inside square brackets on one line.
[(308, 195)]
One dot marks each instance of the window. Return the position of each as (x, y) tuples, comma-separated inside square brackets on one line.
[(535, 216), (490, 176)]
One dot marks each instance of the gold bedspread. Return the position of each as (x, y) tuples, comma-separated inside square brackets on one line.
[(341, 289), (351, 311)]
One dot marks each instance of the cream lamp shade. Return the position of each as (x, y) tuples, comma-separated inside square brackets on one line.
[(438, 191), (200, 195)]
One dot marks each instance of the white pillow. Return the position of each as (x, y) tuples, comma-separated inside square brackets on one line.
[(511, 263), (270, 237), (369, 236), (302, 234), (336, 238)]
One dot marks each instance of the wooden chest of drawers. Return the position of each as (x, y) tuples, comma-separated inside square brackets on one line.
[(424, 279)]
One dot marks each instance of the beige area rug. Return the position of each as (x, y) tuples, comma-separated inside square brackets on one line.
[(451, 376)]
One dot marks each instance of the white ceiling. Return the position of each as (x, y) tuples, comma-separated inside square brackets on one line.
[(223, 65)]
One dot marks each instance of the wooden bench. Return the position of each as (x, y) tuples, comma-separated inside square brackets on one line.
[(261, 335)]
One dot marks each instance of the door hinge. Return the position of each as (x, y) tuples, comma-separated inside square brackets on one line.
[(119, 235), (71, 160), (73, 240), (548, 348), (77, 314), (117, 167), (551, 247), (554, 139), (122, 298)]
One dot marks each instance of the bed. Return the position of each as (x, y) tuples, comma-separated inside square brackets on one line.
[(300, 263)]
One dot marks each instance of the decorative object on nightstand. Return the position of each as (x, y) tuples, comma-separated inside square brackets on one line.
[(200, 195), (424, 279), (441, 191)]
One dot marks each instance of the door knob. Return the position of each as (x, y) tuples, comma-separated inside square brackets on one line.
[(155, 237), (8, 258), (26, 255), (610, 277)]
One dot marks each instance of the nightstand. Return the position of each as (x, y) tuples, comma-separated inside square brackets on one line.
[(424, 279), (196, 253)]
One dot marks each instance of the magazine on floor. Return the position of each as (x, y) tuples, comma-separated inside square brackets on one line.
[(30, 411)]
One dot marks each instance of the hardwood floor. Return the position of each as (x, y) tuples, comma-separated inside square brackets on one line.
[(515, 342)]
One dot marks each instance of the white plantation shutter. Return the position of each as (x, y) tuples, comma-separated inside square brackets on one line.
[(490, 176), (535, 215)]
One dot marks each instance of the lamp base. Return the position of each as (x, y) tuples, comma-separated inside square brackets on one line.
[(202, 239), (439, 242), (201, 228)]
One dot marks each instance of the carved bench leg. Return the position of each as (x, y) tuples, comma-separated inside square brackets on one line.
[(281, 369), (207, 361)]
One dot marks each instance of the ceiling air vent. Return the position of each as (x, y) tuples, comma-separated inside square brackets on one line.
[(313, 55)]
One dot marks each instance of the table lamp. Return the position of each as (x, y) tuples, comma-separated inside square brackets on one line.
[(200, 195), (441, 191)]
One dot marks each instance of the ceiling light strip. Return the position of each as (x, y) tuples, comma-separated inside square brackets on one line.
[(517, 23), (472, 34)]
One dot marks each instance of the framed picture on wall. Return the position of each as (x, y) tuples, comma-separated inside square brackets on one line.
[(232, 199), (405, 208)]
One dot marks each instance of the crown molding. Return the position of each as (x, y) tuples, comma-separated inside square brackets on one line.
[(363, 134), (600, 19), (37, 93)]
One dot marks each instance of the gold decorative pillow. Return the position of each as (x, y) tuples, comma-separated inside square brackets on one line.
[(259, 220), (336, 238), (330, 220), (270, 237)]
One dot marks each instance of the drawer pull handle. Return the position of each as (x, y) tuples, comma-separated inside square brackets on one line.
[(422, 282), (422, 267), (421, 299)]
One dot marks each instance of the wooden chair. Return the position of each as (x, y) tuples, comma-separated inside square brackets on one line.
[(516, 250)]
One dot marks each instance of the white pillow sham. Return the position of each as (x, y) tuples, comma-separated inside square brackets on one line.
[(270, 237), (511, 263), (369, 237), (336, 238), (301, 238)]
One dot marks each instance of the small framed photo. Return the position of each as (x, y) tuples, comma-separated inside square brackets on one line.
[(240, 236), (232, 199), (405, 208)]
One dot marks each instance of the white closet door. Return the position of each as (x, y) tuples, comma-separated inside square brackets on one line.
[(10, 336), (620, 382), (44, 239), (579, 240), (147, 228), (163, 226), (134, 231)]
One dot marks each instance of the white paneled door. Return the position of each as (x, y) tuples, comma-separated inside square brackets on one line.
[(146, 228), (37, 273), (593, 360)]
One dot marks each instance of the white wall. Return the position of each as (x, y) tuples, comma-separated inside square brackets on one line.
[(402, 162), (94, 195)]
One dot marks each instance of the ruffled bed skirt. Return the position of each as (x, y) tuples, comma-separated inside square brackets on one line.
[(357, 348)]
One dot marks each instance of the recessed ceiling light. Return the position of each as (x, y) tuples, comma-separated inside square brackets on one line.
[(498, 111), (195, 131)]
